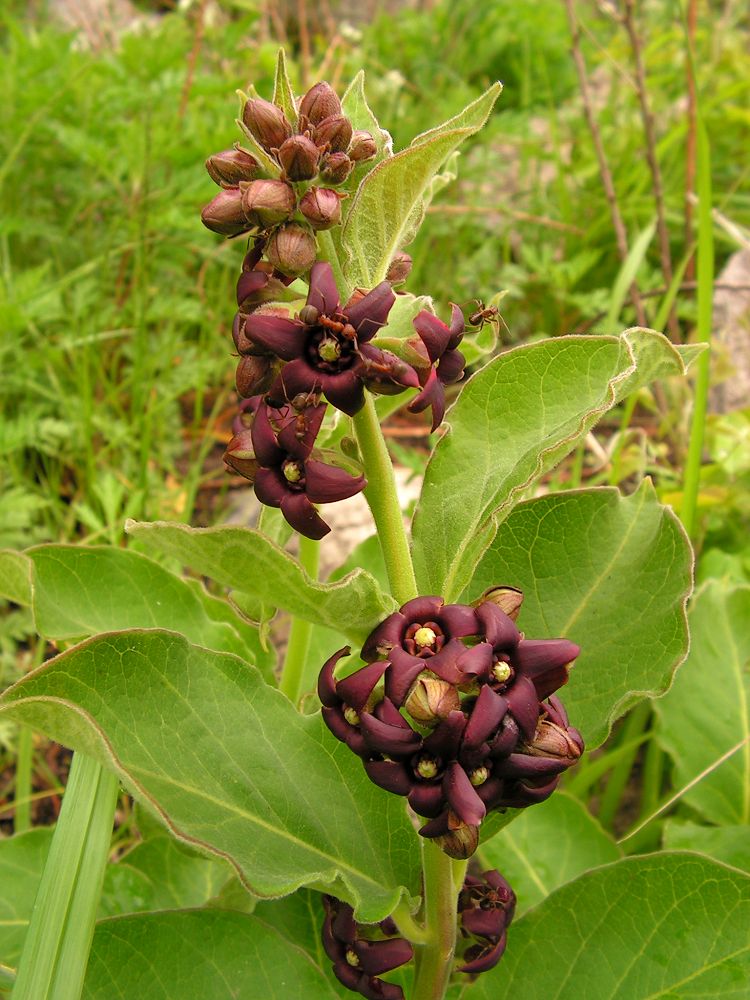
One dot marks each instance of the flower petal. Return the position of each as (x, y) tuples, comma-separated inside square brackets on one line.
[(445, 740), (387, 739), (445, 662), (249, 283), (462, 796), (524, 704), (433, 394), (384, 637), (521, 765), (326, 681), (299, 431), (266, 447), (457, 326), (488, 958), (323, 293), (458, 620), (355, 689), (507, 738), (403, 671), (546, 662), (477, 661), (484, 923), (371, 312), (376, 957), (486, 716), (270, 487), (427, 800), (344, 391), (422, 609), (433, 333), (390, 775), (282, 337), (438, 826), (327, 483), (302, 516), (451, 367), (499, 629)]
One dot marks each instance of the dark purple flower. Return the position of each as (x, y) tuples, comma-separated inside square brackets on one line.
[(446, 362), (286, 474), (357, 959), (344, 700), (327, 348), (485, 909)]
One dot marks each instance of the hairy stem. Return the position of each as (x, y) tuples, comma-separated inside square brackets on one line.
[(300, 631), (442, 881), (383, 500)]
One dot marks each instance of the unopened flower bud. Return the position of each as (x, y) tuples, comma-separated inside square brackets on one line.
[(335, 132), (321, 207), (266, 203), (231, 166), (292, 249), (320, 102), (267, 122), (460, 843), (508, 599), (240, 455), (431, 699), (336, 168), (399, 268), (299, 157), (224, 215), (551, 740), (362, 146), (254, 375)]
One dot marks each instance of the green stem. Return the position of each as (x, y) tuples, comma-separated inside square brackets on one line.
[(295, 660), (383, 500), (56, 948), (434, 959), (407, 925), (636, 724), (705, 271), (24, 760)]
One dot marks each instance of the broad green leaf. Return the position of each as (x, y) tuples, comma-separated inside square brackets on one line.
[(21, 861), (160, 874), (707, 711), (730, 844), (611, 573), (514, 420), (244, 559), (547, 846), (385, 201), (79, 591), (228, 763), (283, 95), (198, 954), (298, 918), (675, 926), (15, 577)]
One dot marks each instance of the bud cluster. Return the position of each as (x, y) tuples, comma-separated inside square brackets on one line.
[(361, 953), (486, 905), (286, 204), (455, 709)]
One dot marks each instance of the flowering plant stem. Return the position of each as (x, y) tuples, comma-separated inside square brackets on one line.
[(300, 631), (442, 878), (383, 500), (55, 952)]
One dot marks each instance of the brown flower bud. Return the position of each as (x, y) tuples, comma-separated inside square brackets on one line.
[(335, 132), (241, 340), (321, 207), (551, 740), (292, 249), (224, 214), (336, 168), (299, 157), (240, 455), (459, 843), (362, 146), (508, 599), (254, 375), (399, 268), (231, 166), (267, 122), (320, 102), (266, 203), (431, 699)]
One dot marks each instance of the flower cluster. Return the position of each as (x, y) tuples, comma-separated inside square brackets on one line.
[(289, 197), (455, 710), (362, 953), (486, 905)]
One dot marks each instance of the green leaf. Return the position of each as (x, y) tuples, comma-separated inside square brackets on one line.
[(15, 577), (199, 954), (228, 763), (283, 95), (707, 711), (667, 925), (377, 222), (244, 559), (611, 573), (730, 844), (547, 846), (514, 420), (79, 591), (21, 861)]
